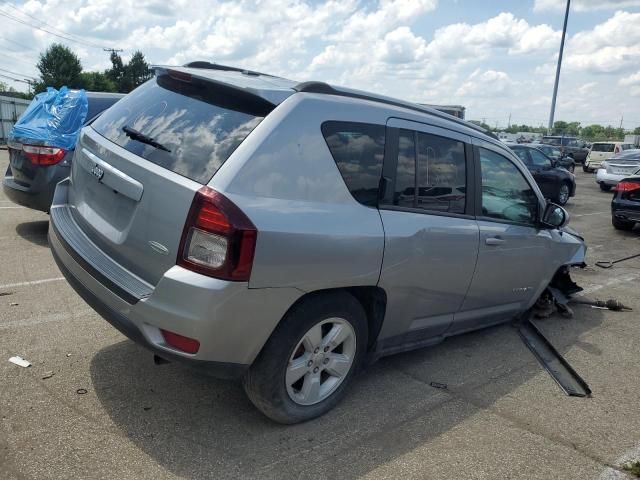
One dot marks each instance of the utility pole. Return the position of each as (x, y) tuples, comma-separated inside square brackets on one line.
[(509, 121), (113, 50), (555, 86), (621, 118)]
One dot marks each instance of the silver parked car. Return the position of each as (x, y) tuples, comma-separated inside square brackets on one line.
[(289, 233)]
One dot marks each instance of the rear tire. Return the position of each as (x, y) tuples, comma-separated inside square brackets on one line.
[(585, 169), (619, 224), (278, 387), (572, 168), (604, 187)]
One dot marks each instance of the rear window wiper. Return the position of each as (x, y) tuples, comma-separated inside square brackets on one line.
[(142, 138)]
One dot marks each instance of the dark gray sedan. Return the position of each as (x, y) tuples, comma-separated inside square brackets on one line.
[(34, 170)]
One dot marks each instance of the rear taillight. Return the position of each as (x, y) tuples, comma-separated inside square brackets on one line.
[(627, 186), (218, 240), (180, 342), (43, 155)]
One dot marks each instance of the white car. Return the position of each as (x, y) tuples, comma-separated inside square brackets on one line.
[(601, 151), (618, 167)]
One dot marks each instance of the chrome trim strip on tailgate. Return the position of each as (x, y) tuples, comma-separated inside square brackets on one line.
[(128, 286), (110, 176)]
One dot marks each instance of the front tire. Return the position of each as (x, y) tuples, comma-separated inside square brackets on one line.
[(305, 367), (585, 169), (563, 194), (622, 224), (604, 187)]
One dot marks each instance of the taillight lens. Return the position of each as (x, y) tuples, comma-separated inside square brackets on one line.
[(627, 186), (44, 156), (218, 239)]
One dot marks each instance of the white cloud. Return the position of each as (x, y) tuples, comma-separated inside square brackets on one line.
[(504, 31), (611, 46), (583, 5), (490, 83), (632, 82), (498, 64)]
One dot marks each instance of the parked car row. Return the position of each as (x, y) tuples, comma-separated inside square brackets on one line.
[(288, 233), (556, 183), (569, 146), (601, 151), (617, 167)]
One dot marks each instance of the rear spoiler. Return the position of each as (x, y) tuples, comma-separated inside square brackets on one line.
[(247, 89)]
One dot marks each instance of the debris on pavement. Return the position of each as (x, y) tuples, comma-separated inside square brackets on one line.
[(442, 386), (611, 263), (550, 359), (611, 304), (47, 375), (5, 294), (81, 391), (14, 304), (21, 362)]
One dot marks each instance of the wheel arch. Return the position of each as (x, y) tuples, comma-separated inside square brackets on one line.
[(372, 298)]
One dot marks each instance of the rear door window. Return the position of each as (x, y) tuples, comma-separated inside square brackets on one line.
[(405, 190), (441, 174), (358, 150), (199, 125)]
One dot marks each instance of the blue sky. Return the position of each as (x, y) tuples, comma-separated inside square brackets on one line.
[(496, 58)]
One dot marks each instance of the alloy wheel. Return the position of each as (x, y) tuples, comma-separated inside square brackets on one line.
[(321, 361)]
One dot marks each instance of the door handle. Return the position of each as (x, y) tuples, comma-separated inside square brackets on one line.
[(494, 241)]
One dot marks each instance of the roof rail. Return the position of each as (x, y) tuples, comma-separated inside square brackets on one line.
[(325, 88), (215, 66)]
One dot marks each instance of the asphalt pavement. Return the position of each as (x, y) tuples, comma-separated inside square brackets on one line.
[(109, 412)]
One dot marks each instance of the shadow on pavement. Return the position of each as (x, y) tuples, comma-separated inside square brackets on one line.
[(34, 232), (198, 427)]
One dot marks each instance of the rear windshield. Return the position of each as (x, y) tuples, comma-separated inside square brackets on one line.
[(551, 140), (200, 125), (602, 147)]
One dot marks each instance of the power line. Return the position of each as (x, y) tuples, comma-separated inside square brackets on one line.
[(64, 37), (52, 27), (15, 79), (19, 44), (16, 73), (18, 59)]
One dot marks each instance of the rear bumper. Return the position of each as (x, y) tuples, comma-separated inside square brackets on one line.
[(39, 194), (610, 179), (625, 210), (231, 321), (25, 196)]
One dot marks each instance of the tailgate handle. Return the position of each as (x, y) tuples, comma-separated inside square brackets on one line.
[(111, 176)]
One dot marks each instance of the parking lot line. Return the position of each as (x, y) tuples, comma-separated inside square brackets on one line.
[(587, 214), (613, 281), (7, 208), (31, 282)]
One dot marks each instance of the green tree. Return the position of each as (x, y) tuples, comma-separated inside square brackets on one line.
[(58, 66), (138, 70), (97, 82), (128, 76), (636, 131)]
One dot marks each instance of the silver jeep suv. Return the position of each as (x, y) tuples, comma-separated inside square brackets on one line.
[(289, 233)]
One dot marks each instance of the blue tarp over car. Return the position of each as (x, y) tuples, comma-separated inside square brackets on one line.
[(54, 118)]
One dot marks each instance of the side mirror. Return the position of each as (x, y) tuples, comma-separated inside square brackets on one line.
[(554, 216)]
